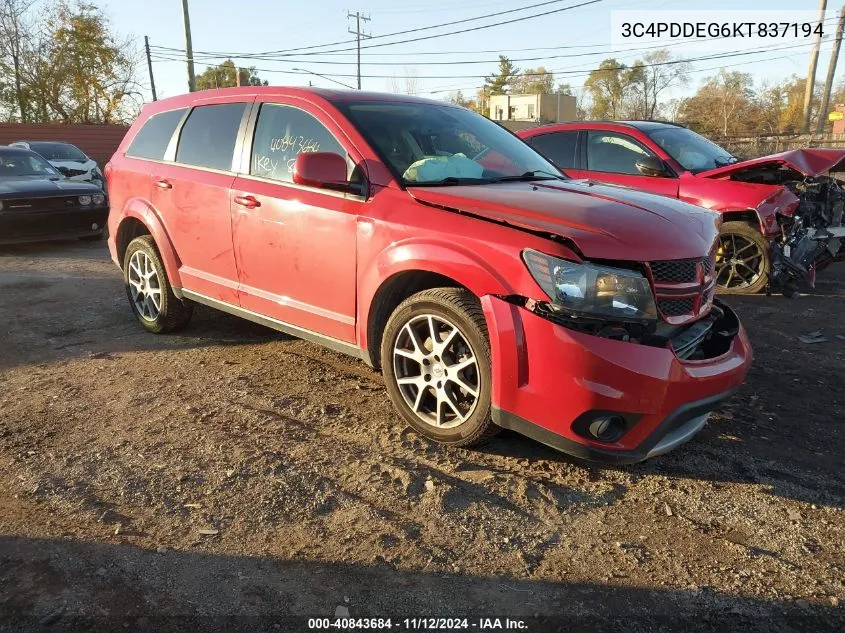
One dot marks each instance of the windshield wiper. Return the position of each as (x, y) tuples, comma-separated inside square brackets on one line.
[(537, 174), (448, 181)]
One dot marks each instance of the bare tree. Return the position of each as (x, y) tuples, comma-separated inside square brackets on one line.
[(660, 71), (409, 84), (412, 84), (15, 35)]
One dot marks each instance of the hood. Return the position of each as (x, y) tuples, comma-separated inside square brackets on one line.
[(42, 187), (807, 162), (74, 164), (604, 221)]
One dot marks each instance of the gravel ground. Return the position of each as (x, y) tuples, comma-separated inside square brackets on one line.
[(230, 477)]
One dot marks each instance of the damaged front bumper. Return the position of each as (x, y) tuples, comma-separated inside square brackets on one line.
[(566, 387)]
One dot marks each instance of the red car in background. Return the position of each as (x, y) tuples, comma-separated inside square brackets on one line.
[(754, 196), (433, 244)]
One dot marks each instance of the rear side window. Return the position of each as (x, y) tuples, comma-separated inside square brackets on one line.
[(558, 147), (209, 135), (152, 139), (283, 133)]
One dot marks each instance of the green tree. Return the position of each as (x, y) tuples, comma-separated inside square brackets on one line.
[(71, 67), (501, 83), (607, 88), (225, 75), (723, 105), (15, 38), (534, 81)]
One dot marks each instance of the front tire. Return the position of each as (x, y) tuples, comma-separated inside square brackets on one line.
[(150, 294), (435, 355), (743, 261)]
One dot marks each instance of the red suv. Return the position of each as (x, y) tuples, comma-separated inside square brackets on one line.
[(435, 245)]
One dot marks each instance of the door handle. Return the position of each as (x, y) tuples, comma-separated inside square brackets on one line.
[(163, 184), (247, 201)]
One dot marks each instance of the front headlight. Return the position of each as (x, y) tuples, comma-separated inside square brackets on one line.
[(98, 198), (84, 200), (591, 290)]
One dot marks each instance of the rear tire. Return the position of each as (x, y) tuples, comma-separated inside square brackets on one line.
[(150, 294), (743, 260), (435, 355)]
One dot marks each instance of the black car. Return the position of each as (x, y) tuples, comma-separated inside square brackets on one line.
[(38, 203)]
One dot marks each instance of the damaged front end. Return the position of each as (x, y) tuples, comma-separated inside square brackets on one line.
[(706, 338), (813, 237), (813, 234)]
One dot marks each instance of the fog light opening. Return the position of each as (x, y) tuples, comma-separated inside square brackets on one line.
[(607, 428)]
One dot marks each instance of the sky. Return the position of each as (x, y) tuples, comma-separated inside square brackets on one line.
[(580, 37)]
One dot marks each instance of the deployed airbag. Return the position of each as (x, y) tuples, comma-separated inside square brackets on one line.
[(437, 168)]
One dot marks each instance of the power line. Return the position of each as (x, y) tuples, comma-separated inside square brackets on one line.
[(453, 87), (621, 52), (562, 72), (299, 51)]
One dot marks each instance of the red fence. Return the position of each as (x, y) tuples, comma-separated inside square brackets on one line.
[(98, 141)]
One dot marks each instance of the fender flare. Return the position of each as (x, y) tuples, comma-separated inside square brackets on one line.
[(145, 213), (424, 255)]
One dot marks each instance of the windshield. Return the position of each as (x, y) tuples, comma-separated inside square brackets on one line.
[(15, 164), (58, 151), (691, 150), (430, 144)]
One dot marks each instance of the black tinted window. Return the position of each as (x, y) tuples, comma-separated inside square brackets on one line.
[(152, 139), (208, 136), (558, 147), (58, 151), (283, 133), (614, 153)]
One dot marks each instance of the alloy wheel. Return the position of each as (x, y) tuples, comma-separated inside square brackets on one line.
[(144, 286), (436, 370), (739, 262)]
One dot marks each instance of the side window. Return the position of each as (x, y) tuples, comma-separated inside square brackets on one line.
[(283, 133), (209, 135), (152, 139), (614, 153), (558, 147)]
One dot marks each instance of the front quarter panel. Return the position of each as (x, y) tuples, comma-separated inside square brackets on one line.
[(483, 256), (727, 195)]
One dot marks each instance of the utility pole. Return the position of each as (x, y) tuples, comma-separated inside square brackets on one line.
[(358, 35), (189, 49), (150, 66), (811, 72), (831, 71)]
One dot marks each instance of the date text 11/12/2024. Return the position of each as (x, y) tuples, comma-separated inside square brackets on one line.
[(417, 624)]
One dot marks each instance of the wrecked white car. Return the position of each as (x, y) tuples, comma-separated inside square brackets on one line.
[(71, 161)]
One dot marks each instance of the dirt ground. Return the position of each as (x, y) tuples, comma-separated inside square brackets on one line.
[(232, 478)]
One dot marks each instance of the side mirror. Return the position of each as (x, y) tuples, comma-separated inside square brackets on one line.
[(325, 170), (650, 166)]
